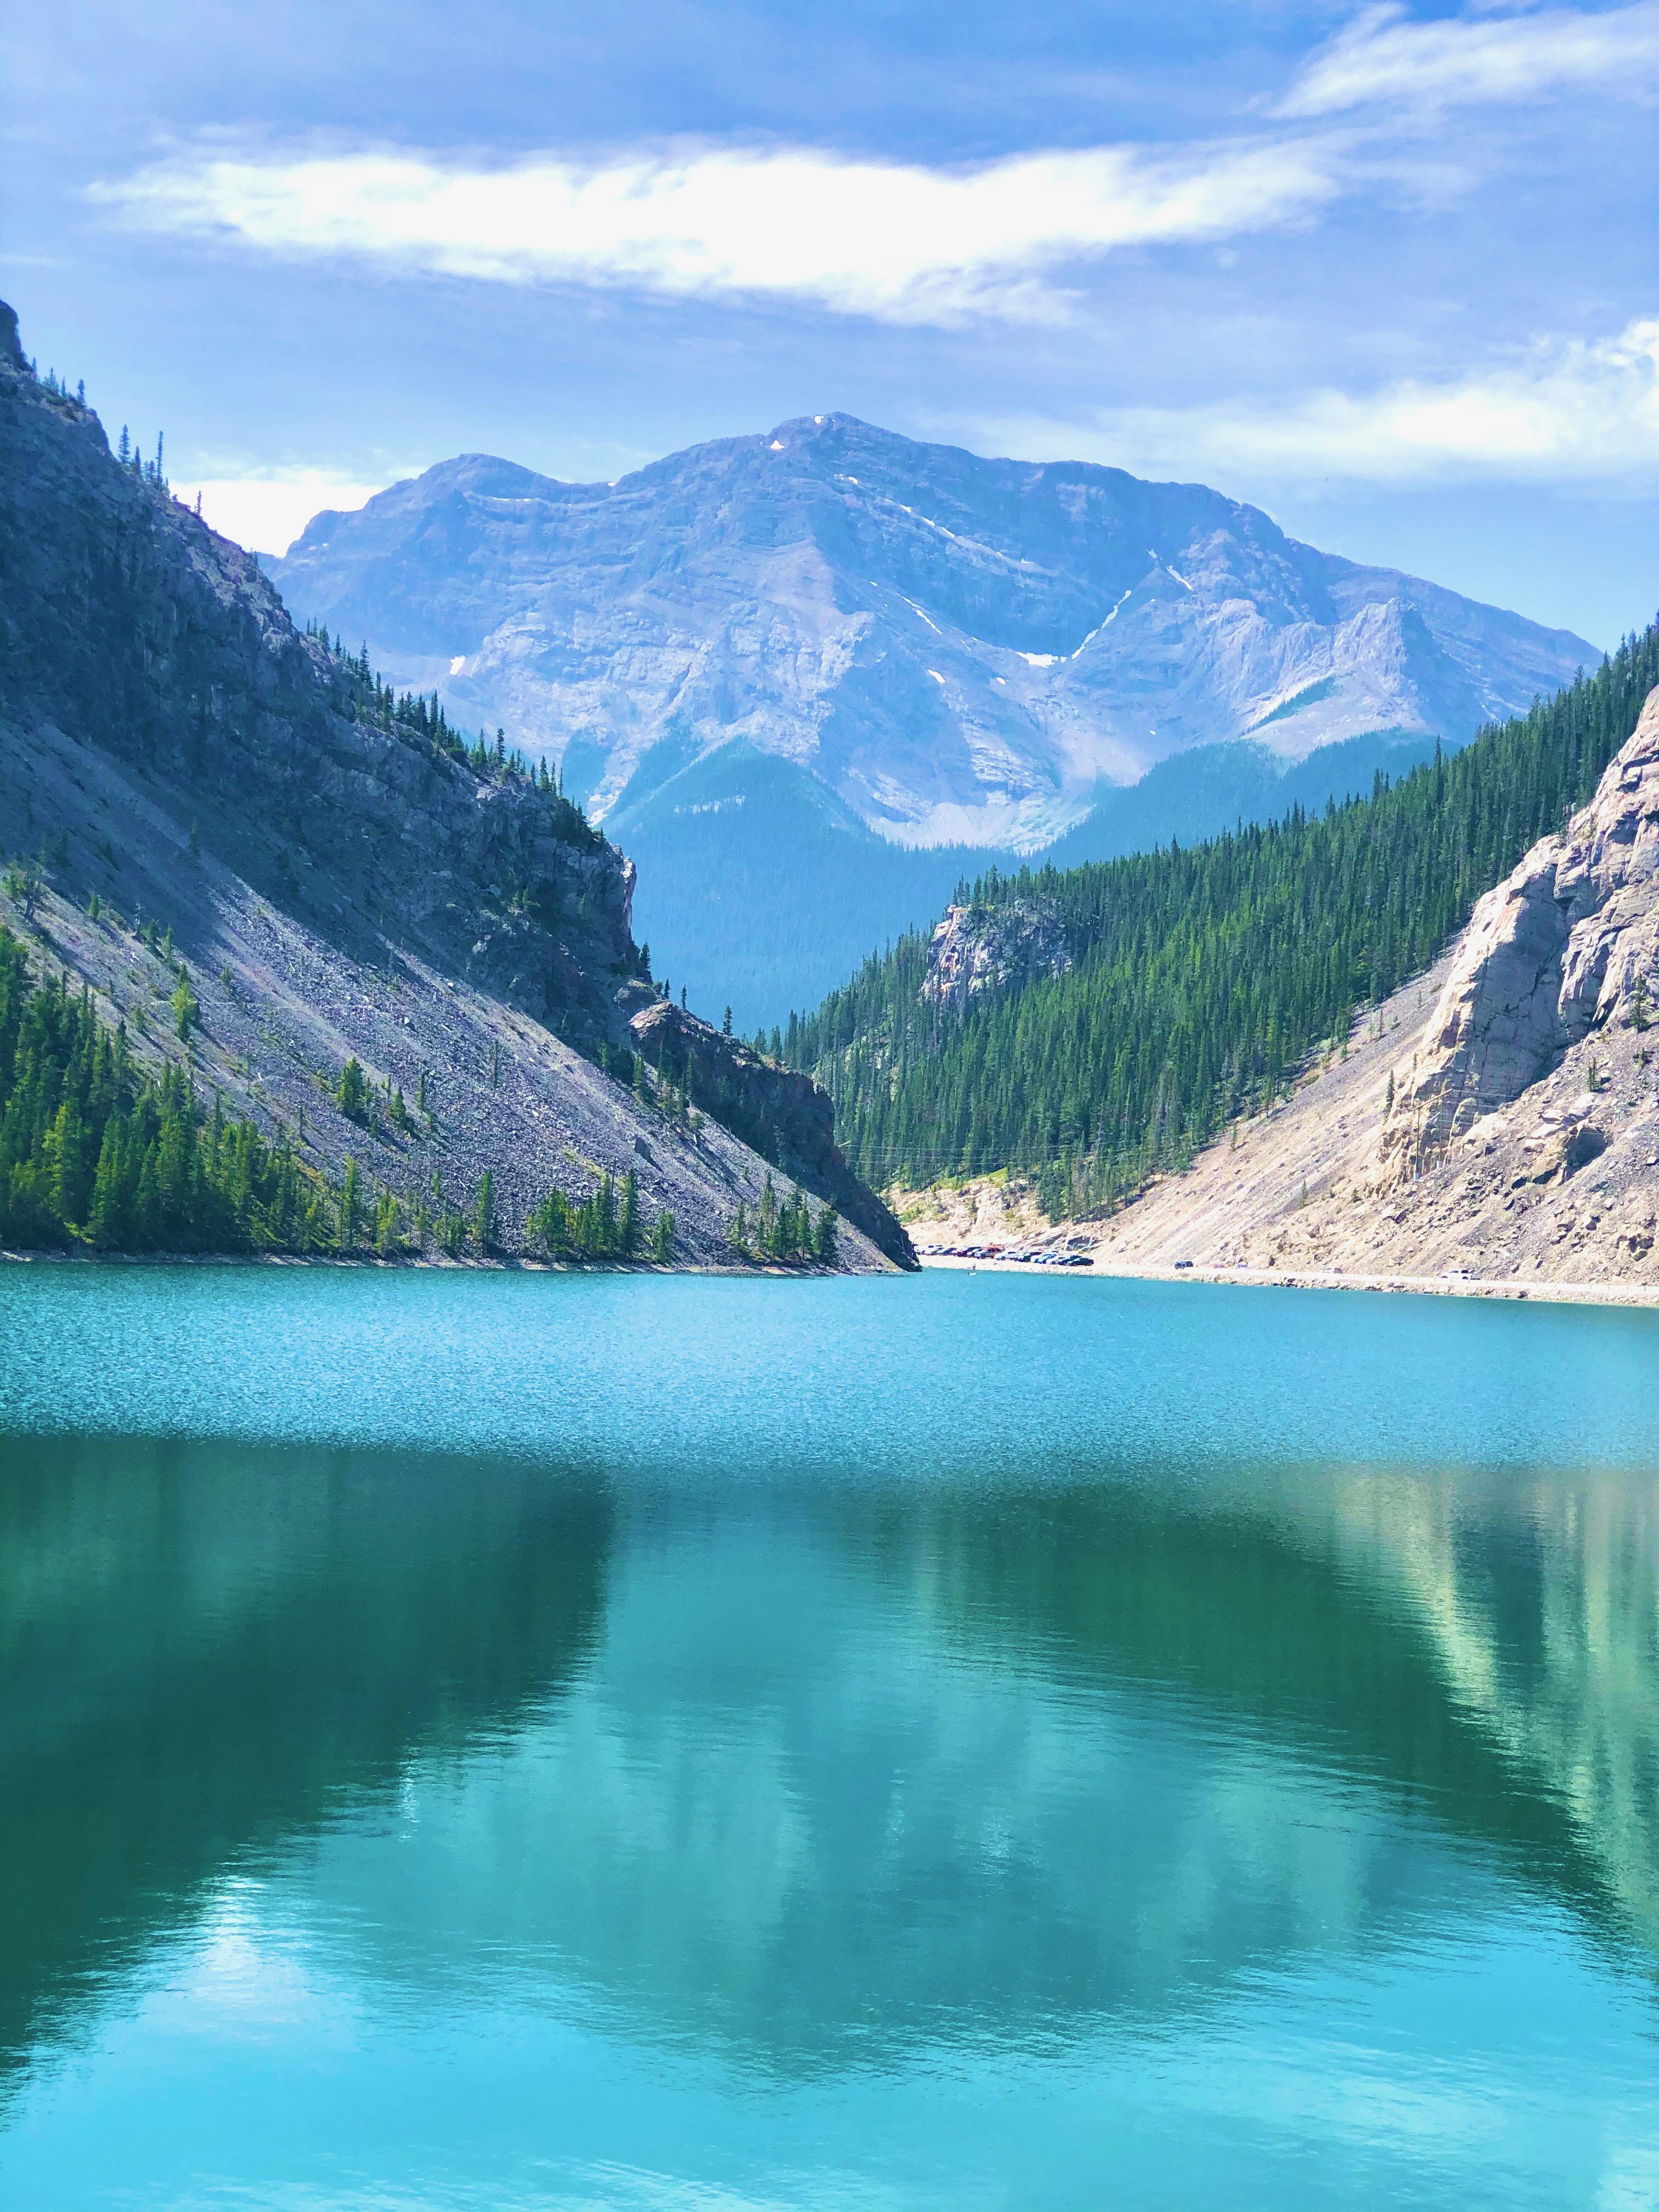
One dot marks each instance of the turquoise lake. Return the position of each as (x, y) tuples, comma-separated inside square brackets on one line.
[(508, 1740)]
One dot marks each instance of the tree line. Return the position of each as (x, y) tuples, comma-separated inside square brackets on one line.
[(357, 691), (1204, 980)]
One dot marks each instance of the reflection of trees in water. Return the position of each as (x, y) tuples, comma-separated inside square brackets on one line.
[(829, 1774), (1487, 1647), (1543, 1613), (781, 1809), (207, 1648)]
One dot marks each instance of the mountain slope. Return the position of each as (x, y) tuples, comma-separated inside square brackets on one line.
[(964, 651), (337, 881), (1497, 1119), (1099, 1025)]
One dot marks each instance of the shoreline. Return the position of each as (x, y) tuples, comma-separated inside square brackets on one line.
[(1308, 1279), (506, 1263)]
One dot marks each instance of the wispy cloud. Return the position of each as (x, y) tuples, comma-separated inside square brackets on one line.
[(896, 241), (1384, 56), (1569, 411)]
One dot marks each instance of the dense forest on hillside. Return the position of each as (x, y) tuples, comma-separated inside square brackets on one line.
[(96, 1152), (1203, 979)]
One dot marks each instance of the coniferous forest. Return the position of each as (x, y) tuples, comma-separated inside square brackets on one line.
[(1202, 980), (98, 1153)]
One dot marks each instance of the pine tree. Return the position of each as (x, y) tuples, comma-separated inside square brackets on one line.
[(662, 1238), (628, 1228), (187, 1008), (483, 1213), (350, 1206), (351, 1092)]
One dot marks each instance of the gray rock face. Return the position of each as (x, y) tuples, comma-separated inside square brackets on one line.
[(960, 648), (1569, 941), (977, 949)]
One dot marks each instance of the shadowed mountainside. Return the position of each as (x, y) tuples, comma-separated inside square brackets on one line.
[(338, 878)]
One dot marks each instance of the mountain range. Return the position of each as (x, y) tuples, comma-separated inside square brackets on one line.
[(813, 676)]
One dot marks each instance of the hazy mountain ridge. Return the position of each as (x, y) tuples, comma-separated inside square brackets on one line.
[(772, 664), (336, 882), (960, 648)]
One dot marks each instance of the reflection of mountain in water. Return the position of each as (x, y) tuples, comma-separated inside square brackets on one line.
[(1487, 1650), (208, 1649), (1545, 1626), (833, 1775), (778, 1812)]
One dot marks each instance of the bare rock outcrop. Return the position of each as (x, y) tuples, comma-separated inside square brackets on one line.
[(980, 948), (1552, 954), (782, 1116)]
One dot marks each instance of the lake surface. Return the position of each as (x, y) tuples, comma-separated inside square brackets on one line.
[(495, 1741)]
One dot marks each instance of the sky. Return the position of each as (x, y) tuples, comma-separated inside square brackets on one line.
[(1391, 272)]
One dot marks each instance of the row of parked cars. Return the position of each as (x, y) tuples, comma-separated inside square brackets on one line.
[(1001, 1252)]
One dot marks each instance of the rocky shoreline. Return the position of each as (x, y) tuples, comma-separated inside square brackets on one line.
[(1305, 1279)]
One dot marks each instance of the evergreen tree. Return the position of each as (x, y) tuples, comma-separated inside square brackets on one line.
[(351, 1207), (351, 1092), (628, 1228), (483, 1213)]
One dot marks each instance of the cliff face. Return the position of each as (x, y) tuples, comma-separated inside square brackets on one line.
[(975, 949), (338, 882), (784, 1116), (1567, 946), (1498, 1117)]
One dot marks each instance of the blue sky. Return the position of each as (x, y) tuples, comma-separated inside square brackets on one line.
[(1392, 271)]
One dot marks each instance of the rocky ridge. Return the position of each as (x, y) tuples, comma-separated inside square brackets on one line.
[(894, 663), (334, 883), (782, 1116), (960, 648), (1495, 1124), (814, 677)]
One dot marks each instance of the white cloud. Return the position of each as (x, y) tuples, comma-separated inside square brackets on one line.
[(896, 241), (1384, 56), (268, 513), (1569, 411)]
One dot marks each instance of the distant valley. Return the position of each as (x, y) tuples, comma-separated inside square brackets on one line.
[(809, 677)]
